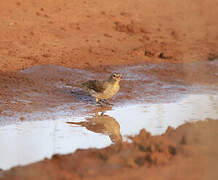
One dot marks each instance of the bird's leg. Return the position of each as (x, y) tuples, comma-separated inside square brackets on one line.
[(97, 100)]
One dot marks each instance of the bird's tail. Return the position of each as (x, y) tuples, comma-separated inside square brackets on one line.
[(76, 123), (74, 85)]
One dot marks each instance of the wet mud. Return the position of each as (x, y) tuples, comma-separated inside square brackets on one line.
[(167, 53), (45, 87)]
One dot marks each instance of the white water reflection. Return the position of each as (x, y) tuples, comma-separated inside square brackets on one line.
[(27, 142), (30, 141), (155, 118)]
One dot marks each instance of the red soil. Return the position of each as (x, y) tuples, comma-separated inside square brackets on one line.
[(189, 152), (93, 33)]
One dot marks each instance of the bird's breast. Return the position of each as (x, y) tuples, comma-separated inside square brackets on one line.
[(110, 91)]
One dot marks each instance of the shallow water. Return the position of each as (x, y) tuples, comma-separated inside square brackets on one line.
[(54, 120), (29, 141)]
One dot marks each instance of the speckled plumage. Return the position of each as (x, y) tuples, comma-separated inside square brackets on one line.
[(104, 89)]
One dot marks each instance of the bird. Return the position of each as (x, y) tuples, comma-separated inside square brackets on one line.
[(102, 89)]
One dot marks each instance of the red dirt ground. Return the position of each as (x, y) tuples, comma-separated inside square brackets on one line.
[(93, 34), (83, 34)]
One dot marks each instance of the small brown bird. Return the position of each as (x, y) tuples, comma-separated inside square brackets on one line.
[(103, 89)]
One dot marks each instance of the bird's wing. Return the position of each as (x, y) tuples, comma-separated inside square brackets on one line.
[(97, 86)]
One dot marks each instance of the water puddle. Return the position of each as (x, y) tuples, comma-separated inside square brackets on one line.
[(29, 141), (44, 116)]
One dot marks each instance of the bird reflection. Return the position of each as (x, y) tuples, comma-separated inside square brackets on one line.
[(104, 124)]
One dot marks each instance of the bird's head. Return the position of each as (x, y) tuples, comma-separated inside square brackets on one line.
[(116, 77)]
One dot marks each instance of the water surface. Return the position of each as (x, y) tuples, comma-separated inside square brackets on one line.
[(29, 141), (56, 118)]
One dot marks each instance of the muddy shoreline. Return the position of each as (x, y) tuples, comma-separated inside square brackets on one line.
[(166, 50), (45, 87)]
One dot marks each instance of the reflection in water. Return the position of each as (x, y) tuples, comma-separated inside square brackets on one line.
[(103, 124), (45, 133), (18, 141)]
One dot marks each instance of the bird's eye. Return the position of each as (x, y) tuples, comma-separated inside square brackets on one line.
[(114, 75)]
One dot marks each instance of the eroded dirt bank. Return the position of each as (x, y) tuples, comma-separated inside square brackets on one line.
[(189, 152), (86, 34)]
